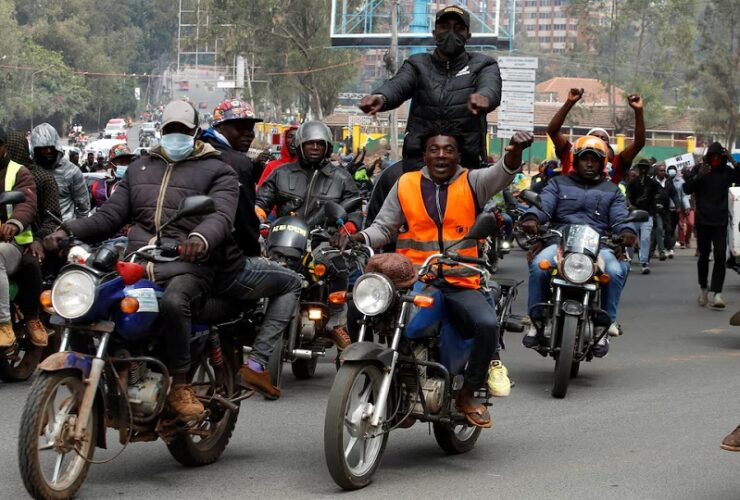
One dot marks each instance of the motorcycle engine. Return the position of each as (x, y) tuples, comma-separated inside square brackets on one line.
[(144, 393), (431, 388)]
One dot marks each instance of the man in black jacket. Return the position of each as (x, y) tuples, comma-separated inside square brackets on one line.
[(641, 193), (231, 135), (448, 85), (665, 194), (149, 194), (709, 182)]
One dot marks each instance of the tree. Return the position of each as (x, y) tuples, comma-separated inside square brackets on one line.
[(718, 72)]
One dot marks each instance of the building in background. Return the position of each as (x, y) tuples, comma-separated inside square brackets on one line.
[(547, 22)]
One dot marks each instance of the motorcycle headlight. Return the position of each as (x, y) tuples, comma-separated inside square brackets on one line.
[(372, 294), (578, 268), (73, 294)]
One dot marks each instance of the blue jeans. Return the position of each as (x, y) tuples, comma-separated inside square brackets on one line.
[(539, 281), (508, 225), (282, 287), (645, 231)]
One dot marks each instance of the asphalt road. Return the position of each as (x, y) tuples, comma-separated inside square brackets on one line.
[(643, 423)]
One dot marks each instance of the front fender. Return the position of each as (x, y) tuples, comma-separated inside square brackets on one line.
[(367, 351), (67, 360)]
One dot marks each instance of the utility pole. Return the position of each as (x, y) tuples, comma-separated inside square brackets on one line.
[(394, 62)]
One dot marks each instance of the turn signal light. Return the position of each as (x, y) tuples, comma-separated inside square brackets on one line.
[(314, 314), (424, 301), (45, 298), (319, 270), (130, 305), (604, 278), (545, 265), (338, 297)]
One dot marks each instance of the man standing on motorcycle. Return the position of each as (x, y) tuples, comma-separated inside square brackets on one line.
[(231, 135), (302, 188), (148, 196), (438, 205), (15, 232), (586, 196)]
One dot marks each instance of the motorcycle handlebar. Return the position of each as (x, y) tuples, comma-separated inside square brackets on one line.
[(467, 260)]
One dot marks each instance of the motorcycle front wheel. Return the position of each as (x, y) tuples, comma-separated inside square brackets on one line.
[(214, 432), (352, 448), (564, 361), (54, 465), (456, 439)]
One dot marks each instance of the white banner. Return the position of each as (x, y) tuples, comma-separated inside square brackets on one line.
[(137, 93), (518, 62), (680, 161)]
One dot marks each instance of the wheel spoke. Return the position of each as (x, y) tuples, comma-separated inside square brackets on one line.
[(364, 394), (57, 467), (350, 446)]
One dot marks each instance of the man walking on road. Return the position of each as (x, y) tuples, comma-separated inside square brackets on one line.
[(641, 193), (448, 85), (710, 182), (665, 197)]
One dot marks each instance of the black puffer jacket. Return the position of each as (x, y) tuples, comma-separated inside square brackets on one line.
[(246, 225), (287, 189), (149, 194), (440, 92)]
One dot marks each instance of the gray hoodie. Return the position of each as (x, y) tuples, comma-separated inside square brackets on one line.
[(74, 200)]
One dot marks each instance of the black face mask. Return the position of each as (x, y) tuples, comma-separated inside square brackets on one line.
[(46, 161), (450, 44)]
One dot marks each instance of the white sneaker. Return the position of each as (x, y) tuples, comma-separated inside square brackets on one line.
[(614, 330), (717, 301), (670, 254), (703, 297)]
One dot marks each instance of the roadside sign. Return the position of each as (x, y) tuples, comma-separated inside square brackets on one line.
[(518, 62), (512, 85), (517, 97), (519, 75)]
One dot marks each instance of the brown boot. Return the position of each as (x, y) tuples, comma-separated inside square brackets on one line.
[(260, 381), (37, 331), (731, 442), (340, 337), (182, 401), (7, 335)]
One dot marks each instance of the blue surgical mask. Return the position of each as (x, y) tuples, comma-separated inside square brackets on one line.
[(177, 147), (120, 171), (671, 173)]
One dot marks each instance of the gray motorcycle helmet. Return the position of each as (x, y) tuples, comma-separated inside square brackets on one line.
[(313, 131)]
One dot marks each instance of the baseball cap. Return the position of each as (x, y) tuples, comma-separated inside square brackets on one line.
[(454, 10), (233, 109), (180, 112)]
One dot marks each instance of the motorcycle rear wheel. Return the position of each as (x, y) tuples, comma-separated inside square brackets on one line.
[(351, 456), (574, 369), (456, 439), (304, 369), (47, 418), (192, 450), (564, 361)]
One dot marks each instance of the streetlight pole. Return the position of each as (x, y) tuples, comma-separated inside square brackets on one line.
[(32, 101), (393, 118)]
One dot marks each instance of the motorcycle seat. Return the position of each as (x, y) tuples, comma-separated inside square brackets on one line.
[(219, 310)]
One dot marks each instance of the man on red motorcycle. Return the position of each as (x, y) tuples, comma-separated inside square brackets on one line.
[(438, 205)]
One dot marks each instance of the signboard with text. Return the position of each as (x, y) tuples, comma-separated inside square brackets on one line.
[(516, 111)]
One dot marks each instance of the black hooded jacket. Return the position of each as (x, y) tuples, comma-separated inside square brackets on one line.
[(711, 190), (439, 91)]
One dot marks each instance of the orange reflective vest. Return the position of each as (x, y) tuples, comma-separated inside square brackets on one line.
[(424, 237)]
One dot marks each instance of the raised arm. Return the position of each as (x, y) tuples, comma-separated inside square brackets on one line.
[(553, 128), (631, 151)]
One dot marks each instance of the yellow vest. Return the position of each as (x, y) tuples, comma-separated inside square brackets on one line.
[(11, 173)]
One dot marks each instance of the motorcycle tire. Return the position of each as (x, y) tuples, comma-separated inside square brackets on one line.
[(304, 369), (275, 366), (456, 439), (195, 451), (35, 426), (564, 361), (354, 383), (20, 369), (574, 369)]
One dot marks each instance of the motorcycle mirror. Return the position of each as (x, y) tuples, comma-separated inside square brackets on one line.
[(12, 198), (531, 198), (352, 204), (637, 216), (484, 226), (334, 212)]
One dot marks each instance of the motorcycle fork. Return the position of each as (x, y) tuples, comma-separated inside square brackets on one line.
[(555, 331), (91, 387), (385, 385)]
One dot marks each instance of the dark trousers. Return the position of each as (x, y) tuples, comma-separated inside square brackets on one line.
[(708, 238), (182, 294), (28, 277), (670, 232), (475, 318)]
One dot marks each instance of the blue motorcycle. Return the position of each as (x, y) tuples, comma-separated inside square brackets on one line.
[(411, 374), (108, 372)]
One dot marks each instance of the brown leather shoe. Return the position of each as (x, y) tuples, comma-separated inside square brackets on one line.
[(182, 401), (7, 335), (260, 381), (37, 331), (340, 337), (731, 442)]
